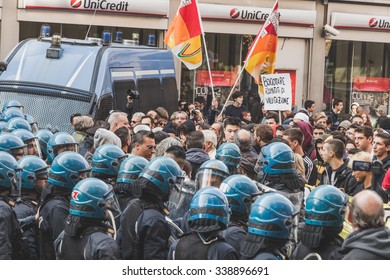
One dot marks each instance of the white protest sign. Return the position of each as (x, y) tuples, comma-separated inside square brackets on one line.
[(277, 92)]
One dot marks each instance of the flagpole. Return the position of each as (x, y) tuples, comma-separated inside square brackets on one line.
[(205, 49), (248, 57), (231, 91), (208, 65)]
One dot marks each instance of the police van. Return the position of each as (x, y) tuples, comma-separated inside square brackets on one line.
[(55, 77)]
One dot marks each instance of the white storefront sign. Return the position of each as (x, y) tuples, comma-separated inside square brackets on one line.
[(141, 7), (358, 21), (277, 92), (256, 14)]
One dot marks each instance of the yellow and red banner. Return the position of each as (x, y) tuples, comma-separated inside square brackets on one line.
[(184, 34), (261, 56)]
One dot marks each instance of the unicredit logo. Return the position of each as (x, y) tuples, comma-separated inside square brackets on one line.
[(104, 5), (234, 13), (381, 23), (75, 3), (248, 14), (373, 22)]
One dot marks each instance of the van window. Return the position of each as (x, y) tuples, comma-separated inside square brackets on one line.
[(150, 94), (120, 93), (105, 106), (170, 94)]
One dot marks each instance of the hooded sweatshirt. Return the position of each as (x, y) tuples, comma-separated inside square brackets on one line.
[(367, 244), (307, 144)]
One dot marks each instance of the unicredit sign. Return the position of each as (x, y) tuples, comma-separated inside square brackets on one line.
[(139, 7), (357, 21), (255, 14), (122, 6)]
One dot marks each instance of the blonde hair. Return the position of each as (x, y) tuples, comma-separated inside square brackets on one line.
[(362, 156)]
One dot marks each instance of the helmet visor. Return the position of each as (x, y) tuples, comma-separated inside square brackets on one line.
[(19, 152), (33, 147), (112, 204), (209, 177), (65, 148)]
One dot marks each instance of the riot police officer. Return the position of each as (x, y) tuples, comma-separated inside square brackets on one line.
[(87, 234), (211, 173), (129, 171), (229, 154), (43, 136), (145, 232), (31, 141), (106, 161), (240, 192), (324, 215), (60, 142), (10, 232), (209, 214), (270, 222), (278, 168), (13, 145), (32, 177), (66, 171)]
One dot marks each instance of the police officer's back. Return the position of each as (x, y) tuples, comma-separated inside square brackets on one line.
[(10, 232), (324, 214), (270, 222), (209, 214), (240, 192), (144, 230), (67, 169), (129, 171), (87, 234), (31, 178)]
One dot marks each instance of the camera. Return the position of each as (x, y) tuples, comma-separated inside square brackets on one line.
[(133, 94), (359, 165), (330, 30), (193, 111)]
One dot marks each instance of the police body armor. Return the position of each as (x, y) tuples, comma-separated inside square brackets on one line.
[(74, 248), (200, 248), (131, 248)]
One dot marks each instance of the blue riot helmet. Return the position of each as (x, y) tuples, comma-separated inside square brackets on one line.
[(33, 123), (8, 167), (229, 154), (43, 137), (91, 198), (58, 143), (13, 145), (11, 113), (32, 170), (130, 169), (277, 158), (32, 142), (164, 174), (13, 104), (240, 192), (271, 216), (67, 169), (326, 207), (211, 173), (17, 123), (209, 210), (106, 160)]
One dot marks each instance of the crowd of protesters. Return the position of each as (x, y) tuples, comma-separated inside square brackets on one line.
[(192, 184)]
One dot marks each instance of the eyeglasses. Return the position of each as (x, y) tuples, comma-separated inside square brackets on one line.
[(151, 147)]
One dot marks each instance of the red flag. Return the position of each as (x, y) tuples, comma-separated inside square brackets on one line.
[(261, 56), (184, 34)]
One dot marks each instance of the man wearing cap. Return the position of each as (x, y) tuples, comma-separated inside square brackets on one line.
[(301, 117)]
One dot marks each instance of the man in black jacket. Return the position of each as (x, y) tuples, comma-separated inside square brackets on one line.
[(370, 239), (337, 173)]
